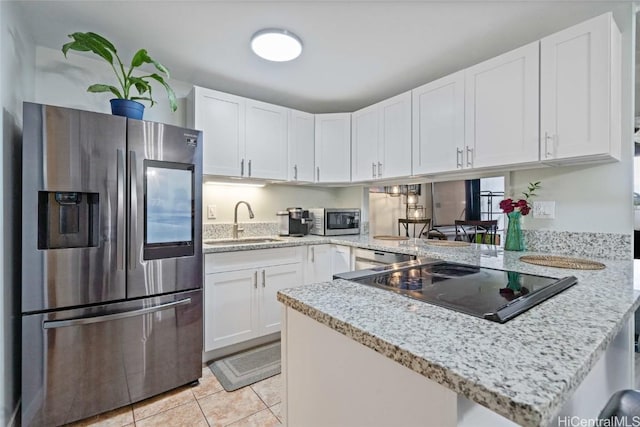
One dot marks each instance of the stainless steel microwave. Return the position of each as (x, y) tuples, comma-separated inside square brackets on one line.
[(335, 222)]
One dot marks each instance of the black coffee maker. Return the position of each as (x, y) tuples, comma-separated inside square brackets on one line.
[(294, 222)]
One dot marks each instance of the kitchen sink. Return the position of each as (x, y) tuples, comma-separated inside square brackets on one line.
[(242, 241)]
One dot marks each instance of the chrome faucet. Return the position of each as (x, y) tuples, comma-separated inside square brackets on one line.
[(235, 218)]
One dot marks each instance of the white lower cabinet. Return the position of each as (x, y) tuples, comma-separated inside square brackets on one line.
[(318, 264), (341, 259), (230, 308), (323, 261), (272, 280), (240, 301)]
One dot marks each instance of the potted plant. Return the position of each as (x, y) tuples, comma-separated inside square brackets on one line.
[(125, 103)]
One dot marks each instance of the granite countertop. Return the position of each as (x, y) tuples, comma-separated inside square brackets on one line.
[(525, 369)]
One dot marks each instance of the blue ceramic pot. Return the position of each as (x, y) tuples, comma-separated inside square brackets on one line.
[(127, 108)]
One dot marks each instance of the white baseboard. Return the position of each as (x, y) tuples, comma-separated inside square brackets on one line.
[(235, 348)]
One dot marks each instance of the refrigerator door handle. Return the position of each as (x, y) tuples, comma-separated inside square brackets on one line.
[(52, 324), (120, 236), (133, 213)]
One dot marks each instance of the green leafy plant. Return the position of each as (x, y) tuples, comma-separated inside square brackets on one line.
[(92, 42)]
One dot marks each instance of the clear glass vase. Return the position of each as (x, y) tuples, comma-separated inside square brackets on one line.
[(514, 240)]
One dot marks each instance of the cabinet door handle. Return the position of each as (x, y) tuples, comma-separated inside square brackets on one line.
[(295, 172), (318, 173), (249, 167), (373, 170), (255, 279), (242, 167), (458, 158), (313, 254), (264, 279), (547, 137), (379, 169), (469, 156)]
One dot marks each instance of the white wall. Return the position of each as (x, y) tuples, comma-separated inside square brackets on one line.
[(17, 81), (592, 198), (266, 201)]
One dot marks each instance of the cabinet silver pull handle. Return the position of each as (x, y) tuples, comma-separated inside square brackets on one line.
[(547, 137), (295, 172), (469, 156), (255, 279), (458, 158), (373, 170), (249, 167), (318, 173), (242, 167), (379, 169), (264, 279)]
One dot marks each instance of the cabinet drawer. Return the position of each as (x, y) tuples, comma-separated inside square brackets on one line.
[(239, 260)]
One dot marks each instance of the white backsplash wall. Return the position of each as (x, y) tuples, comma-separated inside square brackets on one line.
[(268, 200)]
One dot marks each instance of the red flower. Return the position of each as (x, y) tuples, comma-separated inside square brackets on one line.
[(506, 203), (522, 205), (508, 209)]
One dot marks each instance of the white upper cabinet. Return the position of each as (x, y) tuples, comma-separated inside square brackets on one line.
[(438, 125), (501, 109), (365, 134), (221, 117), (381, 140), (301, 146), (266, 140), (241, 137), (580, 90), (394, 153), (333, 147)]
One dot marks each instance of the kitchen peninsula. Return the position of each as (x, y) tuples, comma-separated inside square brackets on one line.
[(433, 366)]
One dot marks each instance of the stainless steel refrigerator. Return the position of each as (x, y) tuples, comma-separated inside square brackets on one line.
[(111, 262)]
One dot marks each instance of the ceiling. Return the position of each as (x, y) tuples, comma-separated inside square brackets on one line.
[(355, 52)]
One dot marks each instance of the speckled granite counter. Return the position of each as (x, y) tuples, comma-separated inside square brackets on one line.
[(525, 369)]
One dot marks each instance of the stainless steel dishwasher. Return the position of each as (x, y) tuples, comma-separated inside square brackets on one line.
[(367, 258)]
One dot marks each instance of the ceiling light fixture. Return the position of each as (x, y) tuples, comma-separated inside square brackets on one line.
[(274, 44)]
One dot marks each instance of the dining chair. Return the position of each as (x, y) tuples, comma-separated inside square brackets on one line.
[(468, 230)]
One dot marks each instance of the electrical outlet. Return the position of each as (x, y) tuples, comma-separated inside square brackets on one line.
[(211, 212), (544, 210)]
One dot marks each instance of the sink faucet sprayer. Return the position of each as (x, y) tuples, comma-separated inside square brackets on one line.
[(235, 218)]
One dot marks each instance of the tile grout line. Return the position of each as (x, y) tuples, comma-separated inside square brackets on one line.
[(206, 420), (253, 413), (265, 403), (162, 412)]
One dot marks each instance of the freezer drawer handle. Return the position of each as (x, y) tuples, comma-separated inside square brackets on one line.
[(52, 324)]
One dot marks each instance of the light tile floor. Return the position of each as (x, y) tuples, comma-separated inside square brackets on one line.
[(206, 404)]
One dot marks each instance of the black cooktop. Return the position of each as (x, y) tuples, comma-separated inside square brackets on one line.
[(491, 294)]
